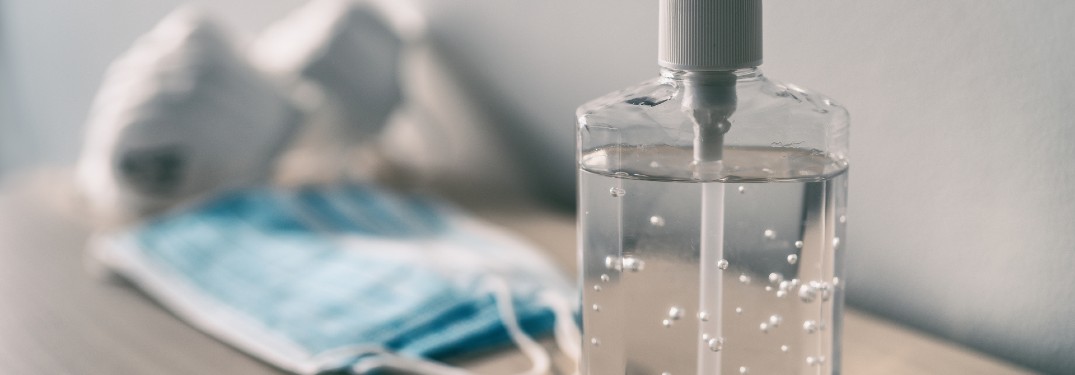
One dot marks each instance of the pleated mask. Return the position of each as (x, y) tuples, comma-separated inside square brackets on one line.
[(347, 278)]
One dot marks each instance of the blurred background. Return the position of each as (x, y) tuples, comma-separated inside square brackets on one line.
[(961, 213)]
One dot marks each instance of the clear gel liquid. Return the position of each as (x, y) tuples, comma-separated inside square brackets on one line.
[(777, 281)]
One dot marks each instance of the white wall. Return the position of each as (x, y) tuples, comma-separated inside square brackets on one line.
[(7, 104), (963, 221), (962, 216)]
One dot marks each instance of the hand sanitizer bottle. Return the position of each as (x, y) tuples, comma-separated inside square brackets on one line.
[(711, 210)]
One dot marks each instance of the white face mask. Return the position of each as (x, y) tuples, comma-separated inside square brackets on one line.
[(347, 277), (351, 53), (180, 115)]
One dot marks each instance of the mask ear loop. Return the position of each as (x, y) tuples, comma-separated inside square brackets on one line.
[(568, 334), (388, 360), (505, 307), (332, 359)]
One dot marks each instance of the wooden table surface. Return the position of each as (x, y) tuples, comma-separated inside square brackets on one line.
[(58, 315)]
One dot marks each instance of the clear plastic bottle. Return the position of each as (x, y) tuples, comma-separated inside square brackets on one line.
[(711, 207)]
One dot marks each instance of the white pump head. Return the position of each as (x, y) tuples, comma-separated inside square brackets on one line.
[(710, 35)]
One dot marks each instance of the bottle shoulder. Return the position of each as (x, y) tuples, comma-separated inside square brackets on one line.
[(788, 97), (651, 92), (763, 118), (759, 99)]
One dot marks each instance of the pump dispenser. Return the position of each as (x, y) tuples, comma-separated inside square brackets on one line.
[(711, 206), (716, 37)]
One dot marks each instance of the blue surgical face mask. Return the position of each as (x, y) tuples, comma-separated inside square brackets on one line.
[(346, 277)]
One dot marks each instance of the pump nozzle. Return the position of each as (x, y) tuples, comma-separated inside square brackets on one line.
[(709, 102)]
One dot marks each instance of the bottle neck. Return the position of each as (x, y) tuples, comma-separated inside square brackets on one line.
[(710, 77)]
